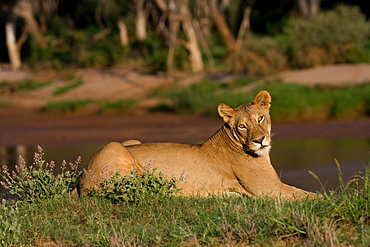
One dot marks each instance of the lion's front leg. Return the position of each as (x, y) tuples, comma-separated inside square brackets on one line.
[(260, 179), (113, 157)]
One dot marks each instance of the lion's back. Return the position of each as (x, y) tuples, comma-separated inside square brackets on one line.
[(166, 157)]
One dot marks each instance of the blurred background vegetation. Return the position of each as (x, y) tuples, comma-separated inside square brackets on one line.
[(245, 36)]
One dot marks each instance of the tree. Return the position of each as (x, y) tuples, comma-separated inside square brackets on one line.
[(308, 7), (177, 13), (25, 9), (232, 44), (13, 46), (140, 19)]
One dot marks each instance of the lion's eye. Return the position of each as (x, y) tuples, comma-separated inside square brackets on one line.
[(242, 126), (260, 119)]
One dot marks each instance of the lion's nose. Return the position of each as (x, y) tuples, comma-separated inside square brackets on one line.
[(260, 140)]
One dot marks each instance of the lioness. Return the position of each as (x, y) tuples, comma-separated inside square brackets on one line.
[(235, 159)]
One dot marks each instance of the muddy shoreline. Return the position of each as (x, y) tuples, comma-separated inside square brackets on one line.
[(36, 128)]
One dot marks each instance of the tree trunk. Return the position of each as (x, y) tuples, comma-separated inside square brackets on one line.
[(223, 28), (192, 44), (174, 24), (314, 7), (140, 20), (24, 9), (308, 7), (11, 41), (243, 33), (122, 32)]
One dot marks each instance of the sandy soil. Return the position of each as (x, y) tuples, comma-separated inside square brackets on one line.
[(118, 83)]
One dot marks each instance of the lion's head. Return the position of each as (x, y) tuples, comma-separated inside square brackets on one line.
[(250, 124)]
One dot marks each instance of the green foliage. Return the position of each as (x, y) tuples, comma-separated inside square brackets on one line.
[(334, 36), (358, 54), (260, 56), (10, 227), (29, 85), (290, 102), (38, 181), (358, 189), (137, 188), (67, 105), (118, 105), (24, 85), (325, 37), (140, 210), (89, 47), (293, 102), (4, 103), (337, 218), (64, 89), (202, 97)]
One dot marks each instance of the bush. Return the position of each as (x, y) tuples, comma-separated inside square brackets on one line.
[(358, 54), (38, 181), (325, 37), (260, 57), (137, 188), (10, 227)]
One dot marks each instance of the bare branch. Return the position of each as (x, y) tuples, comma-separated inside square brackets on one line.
[(101, 34), (22, 39), (203, 43), (161, 5), (244, 28)]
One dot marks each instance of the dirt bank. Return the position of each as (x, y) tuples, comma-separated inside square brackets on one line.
[(118, 83)]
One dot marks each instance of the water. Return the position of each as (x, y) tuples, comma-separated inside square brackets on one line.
[(291, 158)]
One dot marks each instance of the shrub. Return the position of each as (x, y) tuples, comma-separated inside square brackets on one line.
[(137, 188), (357, 54), (10, 226), (38, 181), (325, 37), (260, 57)]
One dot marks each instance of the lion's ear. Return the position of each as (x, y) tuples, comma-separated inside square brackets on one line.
[(262, 100), (226, 112)]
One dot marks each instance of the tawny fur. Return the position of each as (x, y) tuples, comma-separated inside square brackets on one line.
[(235, 159)]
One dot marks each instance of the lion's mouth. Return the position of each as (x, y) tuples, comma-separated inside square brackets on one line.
[(262, 150)]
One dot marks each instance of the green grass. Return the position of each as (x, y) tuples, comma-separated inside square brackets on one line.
[(191, 221), (67, 105), (30, 85), (25, 85), (99, 106), (117, 106), (68, 87), (290, 102), (4, 103), (338, 218)]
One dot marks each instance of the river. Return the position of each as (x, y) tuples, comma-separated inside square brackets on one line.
[(297, 148)]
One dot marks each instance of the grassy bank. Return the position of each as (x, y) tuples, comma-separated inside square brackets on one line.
[(290, 102), (51, 216), (334, 220)]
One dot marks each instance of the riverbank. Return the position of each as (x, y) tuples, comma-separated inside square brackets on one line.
[(36, 128)]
